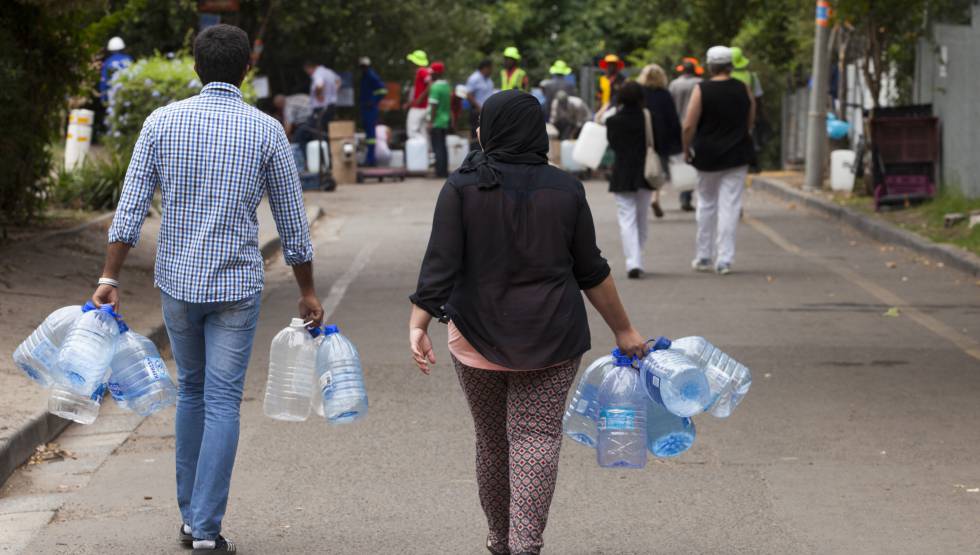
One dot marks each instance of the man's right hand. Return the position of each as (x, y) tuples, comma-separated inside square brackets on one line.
[(310, 310), (106, 294)]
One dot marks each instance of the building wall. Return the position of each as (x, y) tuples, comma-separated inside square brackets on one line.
[(948, 77)]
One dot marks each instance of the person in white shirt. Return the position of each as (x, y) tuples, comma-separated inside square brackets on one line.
[(324, 84)]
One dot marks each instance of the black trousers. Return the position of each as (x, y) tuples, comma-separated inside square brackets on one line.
[(438, 138)]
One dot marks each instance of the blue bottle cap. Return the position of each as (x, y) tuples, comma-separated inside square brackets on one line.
[(619, 359), (89, 305), (314, 331), (330, 330), (660, 344), (123, 328)]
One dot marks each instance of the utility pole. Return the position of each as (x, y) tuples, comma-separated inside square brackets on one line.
[(816, 127)]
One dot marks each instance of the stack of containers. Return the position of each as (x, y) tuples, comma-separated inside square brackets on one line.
[(80, 352), (677, 380)]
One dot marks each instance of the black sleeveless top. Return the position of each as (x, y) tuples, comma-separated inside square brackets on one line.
[(722, 139)]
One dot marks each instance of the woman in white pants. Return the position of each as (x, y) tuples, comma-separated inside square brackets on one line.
[(716, 128), (627, 138)]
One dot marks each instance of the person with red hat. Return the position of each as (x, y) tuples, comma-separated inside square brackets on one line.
[(680, 89), (440, 117), (612, 81)]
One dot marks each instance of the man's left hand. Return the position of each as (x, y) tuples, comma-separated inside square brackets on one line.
[(310, 310)]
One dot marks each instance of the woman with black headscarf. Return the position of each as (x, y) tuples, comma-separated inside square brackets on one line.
[(512, 247)]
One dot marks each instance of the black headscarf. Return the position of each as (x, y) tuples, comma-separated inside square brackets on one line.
[(512, 132)]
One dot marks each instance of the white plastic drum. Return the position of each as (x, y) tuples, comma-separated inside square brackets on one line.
[(458, 148), (314, 156), (683, 176), (417, 155), (78, 139), (568, 162), (591, 145), (842, 170)]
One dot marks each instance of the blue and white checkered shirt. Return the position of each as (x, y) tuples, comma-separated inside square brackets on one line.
[(213, 156)]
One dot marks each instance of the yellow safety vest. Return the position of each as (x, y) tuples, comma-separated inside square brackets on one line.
[(516, 80)]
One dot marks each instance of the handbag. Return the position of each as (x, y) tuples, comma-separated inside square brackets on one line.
[(653, 170)]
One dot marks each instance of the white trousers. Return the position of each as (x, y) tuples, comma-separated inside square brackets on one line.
[(415, 123), (631, 210), (719, 206)]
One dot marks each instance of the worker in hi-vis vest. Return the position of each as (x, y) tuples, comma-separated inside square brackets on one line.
[(512, 76)]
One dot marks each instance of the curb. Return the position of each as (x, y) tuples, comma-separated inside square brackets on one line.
[(877, 229), (45, 427)]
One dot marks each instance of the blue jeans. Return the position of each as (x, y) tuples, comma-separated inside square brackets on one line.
[(211, 343)]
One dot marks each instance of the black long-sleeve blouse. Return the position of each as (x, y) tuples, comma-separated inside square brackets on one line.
[(507, 265)]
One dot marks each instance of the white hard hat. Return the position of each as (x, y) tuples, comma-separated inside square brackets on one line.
[(116, 44), (364, 61)]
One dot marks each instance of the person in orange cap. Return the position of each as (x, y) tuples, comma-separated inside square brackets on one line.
[(680, 89), (612, 81)]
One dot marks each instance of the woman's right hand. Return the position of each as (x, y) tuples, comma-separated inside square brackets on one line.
[(422, 351), (630, 342)]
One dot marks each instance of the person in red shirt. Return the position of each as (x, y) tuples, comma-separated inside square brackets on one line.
[(419, 102)]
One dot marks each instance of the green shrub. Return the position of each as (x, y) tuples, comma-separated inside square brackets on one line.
[(145, 86), (94, 186)]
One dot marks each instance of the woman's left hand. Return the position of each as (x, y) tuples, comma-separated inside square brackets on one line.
[(422, 351)]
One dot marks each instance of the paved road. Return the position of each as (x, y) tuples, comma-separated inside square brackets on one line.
[(859, 435)]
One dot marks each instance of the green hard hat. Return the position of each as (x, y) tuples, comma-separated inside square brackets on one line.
[(739, 60), (419, 58), (512, 52), (559, 68)]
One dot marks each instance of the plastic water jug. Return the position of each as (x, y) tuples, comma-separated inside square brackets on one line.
[(675, 380), (340, 378), (417, 155), (292, 358), (842, 170), (84, 358), (397, 159), (37, 354), (317, 152), (70, 405), (622, 417), (591, 145), (458, 148), (568, 162), (683, 176), (668, 435), (139, 380), (729, 379), (580, 417)]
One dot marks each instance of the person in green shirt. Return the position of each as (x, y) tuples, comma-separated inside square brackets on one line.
[(440, 116)]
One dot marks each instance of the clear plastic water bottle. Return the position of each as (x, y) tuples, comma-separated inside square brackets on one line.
[(622, 417), (139, 380), (68, 404), (340, 378), (729, 379), (668, 435), (292, 359), (582, 413), (84, 358), (675, 381), (37, 354)]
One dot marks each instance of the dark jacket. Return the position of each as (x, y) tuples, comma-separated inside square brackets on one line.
[(666, 124), (627, 138)]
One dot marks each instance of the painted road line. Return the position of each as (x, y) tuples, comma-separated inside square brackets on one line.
[(339, 288), (965, 343)]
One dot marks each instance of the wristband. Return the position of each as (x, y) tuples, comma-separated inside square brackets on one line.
[(109, 281)]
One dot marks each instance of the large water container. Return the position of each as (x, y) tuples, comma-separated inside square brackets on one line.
[(591, 145), (568, 162), (683, 176), (676, 381), (292, 358), (842, 170), (78, 138), (139, 380), (37, 354), (458, 148), (317, 152), (668, 435), (580, 418), (417, 155), (84, 358), (397, 159), (621, 426), (729, 379), (340, 378), (68, 404)]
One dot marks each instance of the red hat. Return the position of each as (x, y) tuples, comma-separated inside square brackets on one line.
[(438, 67), (698, 70), (611, 59)]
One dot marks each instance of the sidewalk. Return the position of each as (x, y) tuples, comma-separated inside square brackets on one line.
[(787, 185), (37, 277)]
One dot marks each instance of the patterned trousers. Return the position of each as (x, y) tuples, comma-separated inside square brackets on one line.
[(517, 416)]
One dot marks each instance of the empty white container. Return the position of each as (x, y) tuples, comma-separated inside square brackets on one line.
[(568, 162), (315, 151), (458, 148), (397, 159), (591, 145), (842, 170), (78, 138), (683, 176), (417, 155)]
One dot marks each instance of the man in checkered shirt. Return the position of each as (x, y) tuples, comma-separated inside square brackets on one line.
[(213, 157)]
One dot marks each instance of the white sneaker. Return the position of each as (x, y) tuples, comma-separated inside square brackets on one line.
[(724, 269), (701, 265)]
